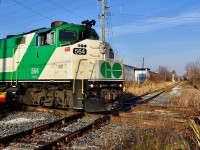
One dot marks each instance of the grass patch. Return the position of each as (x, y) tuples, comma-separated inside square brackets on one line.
[(147, 86), (186, 98), (160, 138), (167, 137), (187, 84)]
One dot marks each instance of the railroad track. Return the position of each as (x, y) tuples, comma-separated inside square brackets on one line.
[(133, 101), (5, 141), (142, 112), (137, 112), (55, 134), (154, 116), (52, 135)]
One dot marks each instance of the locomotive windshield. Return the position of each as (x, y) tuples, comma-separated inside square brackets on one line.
[(74, 33), (89, 34), (65, 35)]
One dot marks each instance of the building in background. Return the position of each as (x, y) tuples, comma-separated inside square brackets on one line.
[(129, 73), (142, 74), (136, 74)]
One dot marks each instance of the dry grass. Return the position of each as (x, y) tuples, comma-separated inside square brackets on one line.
[(166, 137), (186, 98), (160, 138), (133, 137), (147, 86), (162, 134)]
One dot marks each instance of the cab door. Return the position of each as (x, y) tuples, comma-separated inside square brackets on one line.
[(44, 48)]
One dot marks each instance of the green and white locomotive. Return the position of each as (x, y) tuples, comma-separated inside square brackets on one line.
[(64, 66)]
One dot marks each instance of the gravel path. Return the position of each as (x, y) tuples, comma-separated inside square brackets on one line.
[(112, 136), (20, 121), (162, 100)]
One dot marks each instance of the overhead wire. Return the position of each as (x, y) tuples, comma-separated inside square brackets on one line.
[(83, 13), (33, 10), (20, 17), (5, 8), (23, 17), (124, 3), (26, 16), (65, 9), (159, 20), (149, 17), (110, 32), (46, 9)]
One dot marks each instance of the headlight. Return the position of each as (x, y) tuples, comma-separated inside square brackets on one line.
[(91, 85), (120, 85)]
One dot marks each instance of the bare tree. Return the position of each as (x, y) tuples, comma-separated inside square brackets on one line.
[(193, 71), (164, 73)]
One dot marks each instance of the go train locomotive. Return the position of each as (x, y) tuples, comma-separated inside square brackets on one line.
[(64, 66)]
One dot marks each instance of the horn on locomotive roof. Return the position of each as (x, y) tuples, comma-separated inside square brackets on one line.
[(57, 23)]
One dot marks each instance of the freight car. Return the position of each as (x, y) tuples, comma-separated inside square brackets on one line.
[(64, 66)]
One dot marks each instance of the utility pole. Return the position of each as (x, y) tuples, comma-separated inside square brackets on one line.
[(103, 21), (103, 15), (142, 62)]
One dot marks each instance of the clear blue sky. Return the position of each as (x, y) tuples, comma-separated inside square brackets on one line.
[(164, 32)]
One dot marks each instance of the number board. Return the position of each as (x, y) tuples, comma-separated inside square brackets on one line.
[(79, 51)]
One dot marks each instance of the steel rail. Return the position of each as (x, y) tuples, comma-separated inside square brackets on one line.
[(70, 136), (8, 139)]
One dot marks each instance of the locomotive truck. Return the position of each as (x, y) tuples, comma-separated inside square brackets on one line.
[(64, 66)]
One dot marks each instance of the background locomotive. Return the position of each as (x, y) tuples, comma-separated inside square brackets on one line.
[(64, 66)]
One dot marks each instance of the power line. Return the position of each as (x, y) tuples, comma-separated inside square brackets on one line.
[(32, 10), (65, 9), (124, 3), (26, 19), (25, 15)]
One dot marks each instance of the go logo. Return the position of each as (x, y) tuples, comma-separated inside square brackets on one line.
[(107, 70)]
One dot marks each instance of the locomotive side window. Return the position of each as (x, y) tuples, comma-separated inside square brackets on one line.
[(41, 40), (65, 35), (50, 38), (20, 40), (46, 38)]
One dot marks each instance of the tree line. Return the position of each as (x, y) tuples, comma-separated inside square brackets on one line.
[(164, 74), (193, 72)]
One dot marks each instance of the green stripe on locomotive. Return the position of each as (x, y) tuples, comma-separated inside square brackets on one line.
[(34, 61), (9, 46)]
